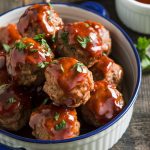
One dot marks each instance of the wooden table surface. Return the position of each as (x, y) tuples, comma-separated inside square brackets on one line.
[(137, 136)]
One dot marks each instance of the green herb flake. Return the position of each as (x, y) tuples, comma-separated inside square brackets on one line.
[(53, 38), (87, 25), (11, 100), (83, 41), (43, 42), (62, 68), (143, 47), (33, 50), (20, 46), (64, 37), (61, 125), (50, 5), (56, 116), (80, 67), (30, 44), (6, 48), (39, 37), (45, 101), (54, 62), (43, 64)]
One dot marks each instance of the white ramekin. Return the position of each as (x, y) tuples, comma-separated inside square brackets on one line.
[(125, 53), (134, 15)]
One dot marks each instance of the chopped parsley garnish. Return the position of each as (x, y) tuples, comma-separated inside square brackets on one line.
[(43, 42), (62, 68), (39, 37), (64, 37), (53, 39), (87, 25), (61, 125), (11, 100), (30, 44), (43, 64), (45, 101), (50, 5), (6, 48), (143, 46), (3, 87), (56, 116), (83, 41), (20, 46), (80, 67), (33, 50)]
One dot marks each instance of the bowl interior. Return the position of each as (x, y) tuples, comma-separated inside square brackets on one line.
[(122, 50)]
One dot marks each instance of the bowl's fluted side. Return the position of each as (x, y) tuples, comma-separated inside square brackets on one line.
[(102, 141), (134, 16)]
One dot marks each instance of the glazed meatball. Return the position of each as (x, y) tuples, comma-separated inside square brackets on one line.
[(68, 82), (39, 19), (26, 61), (15, 108), (106, 68), (85, 41), (9, 34), (51, 122), (105, 103)]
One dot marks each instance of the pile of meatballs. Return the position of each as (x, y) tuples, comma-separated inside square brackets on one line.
[(68, 64)]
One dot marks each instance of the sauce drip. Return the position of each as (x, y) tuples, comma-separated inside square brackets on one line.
[(104, 64), (45, 115), (144, 1), (106, 102), (39, 19), (19, 100), (32, 54), (83, 30), (11, 34), (67, 75)]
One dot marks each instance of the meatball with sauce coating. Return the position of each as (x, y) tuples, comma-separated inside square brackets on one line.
[(106, 68), (26, 61), (51, 122), (105, 103), (85, 41), (9, 34), (68, 82), (39, 19), (15, 108)]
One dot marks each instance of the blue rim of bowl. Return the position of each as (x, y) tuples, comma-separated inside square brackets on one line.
[(114, 120)]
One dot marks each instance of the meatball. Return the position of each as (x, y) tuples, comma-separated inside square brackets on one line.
[(51, 122), (106, 68), (9, 34), (68, 82), (15, 108), (26, 61), (39, 19), (105, 103), (85, 41)]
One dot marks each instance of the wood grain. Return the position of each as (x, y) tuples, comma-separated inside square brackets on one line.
[(6, 5)]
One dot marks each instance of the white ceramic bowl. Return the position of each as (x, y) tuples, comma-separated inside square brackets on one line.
[(106, 136), (134, 15)]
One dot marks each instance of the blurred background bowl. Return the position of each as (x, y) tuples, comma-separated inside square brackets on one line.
[(134, 15)]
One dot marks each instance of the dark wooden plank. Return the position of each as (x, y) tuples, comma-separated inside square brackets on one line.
[(9, 4), (37, 1)]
